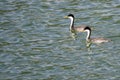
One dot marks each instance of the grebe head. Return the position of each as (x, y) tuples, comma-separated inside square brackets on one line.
[(71, 16), (87, 29)]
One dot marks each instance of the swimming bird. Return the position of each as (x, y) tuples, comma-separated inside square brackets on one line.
[(72, 28), (93, 40)]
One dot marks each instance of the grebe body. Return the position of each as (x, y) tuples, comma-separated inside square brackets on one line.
[(72, 28), (93, 40)]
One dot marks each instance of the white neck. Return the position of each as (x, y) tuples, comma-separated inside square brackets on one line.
[(72, 22), (88, 34)]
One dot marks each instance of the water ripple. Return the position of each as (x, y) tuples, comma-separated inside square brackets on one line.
[(35, 41)]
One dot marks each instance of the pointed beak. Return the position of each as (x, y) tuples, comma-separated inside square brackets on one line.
[(65, 16)]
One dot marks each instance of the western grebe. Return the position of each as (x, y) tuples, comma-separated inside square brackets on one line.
[(93, 40), (72, 28)]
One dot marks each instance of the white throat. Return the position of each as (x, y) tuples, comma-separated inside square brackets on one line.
[(88, 34), (71, 23)]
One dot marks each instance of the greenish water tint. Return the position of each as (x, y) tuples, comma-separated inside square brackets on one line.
[(35, 41)]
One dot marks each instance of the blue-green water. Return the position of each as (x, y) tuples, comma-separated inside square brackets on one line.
[(35, 41)]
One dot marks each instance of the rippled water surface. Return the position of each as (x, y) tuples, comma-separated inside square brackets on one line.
[(36, 44)]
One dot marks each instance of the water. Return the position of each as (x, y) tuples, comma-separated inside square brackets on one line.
[(35, 41)]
